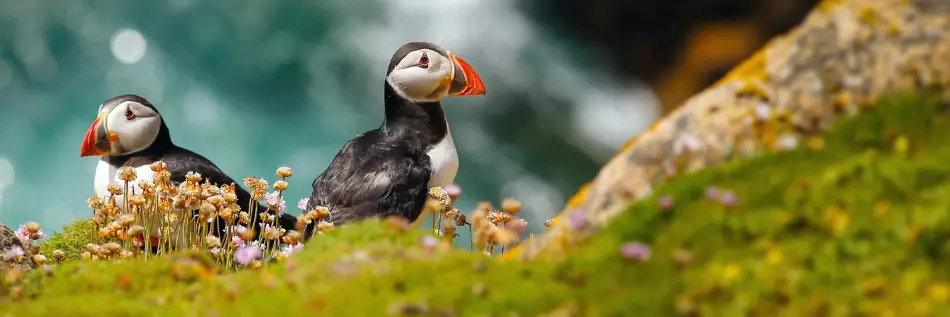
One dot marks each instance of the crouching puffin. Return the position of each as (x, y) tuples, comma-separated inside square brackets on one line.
[(129, 131), (387, 171)]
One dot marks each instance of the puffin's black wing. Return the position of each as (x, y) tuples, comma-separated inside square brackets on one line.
[(372, 177)]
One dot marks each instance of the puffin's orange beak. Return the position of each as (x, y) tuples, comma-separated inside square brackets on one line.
[(465, 81), (95, 143)]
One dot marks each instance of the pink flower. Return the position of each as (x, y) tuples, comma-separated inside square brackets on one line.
[(430, 242), (272, 198), (292, 248), (453, 190), (245, 255), (712, 193), (635, 251), (23, 234), (518, 226), (665, 203), (302, 204), (575, 219), (728, 198), (237, 242)]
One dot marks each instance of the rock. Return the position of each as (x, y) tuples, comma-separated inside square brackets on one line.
[(9, 240), (843, 57)]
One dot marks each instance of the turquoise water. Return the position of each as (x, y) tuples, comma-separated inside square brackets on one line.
[(256, 85)]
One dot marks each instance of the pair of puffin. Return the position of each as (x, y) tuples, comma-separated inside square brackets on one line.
[(382, 172)]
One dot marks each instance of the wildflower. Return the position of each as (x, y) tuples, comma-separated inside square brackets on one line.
[(14, 253), (127, 173), (511, 206), (193, 177), (292, 248), (728, 198), (665, 203), (518, 226), (95, 203), (284, 172), (576, 219), (635, 251), (126, 220), (158, 166), (271, 233), (58, 254), (272, 201), (302, 204), (245, 255), (85, 255), (215, 252), (163, 177), (144, 185), (280, 185), (212, 241), (136, 200), (786, 141), (115, 189), (39, 259), (256, 265), (22, 235), (325, 226), (453, 190), (247, 235), (292, 237), (136, 230), (112, 247), (461, 221), (712, 193), (237, 242), (430, 242), (321, 212)]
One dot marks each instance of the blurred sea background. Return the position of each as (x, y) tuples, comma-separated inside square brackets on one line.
[(255, 85)]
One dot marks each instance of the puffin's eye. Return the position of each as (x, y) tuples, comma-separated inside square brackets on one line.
[(129, 115), (424, 61)]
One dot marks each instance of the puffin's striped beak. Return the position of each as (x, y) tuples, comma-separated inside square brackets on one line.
[(465, 81), (96, 142)]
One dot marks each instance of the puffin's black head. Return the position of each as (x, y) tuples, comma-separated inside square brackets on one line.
[(126, 124), (424, 72)]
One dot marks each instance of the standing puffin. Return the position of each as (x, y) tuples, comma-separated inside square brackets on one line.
[(129, 131), (387, 171)]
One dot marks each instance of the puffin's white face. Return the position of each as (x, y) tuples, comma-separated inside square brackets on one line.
[(123, 128), (425, 75)]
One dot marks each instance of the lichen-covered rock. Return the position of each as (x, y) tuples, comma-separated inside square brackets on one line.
[(843, 57), (12, 250)]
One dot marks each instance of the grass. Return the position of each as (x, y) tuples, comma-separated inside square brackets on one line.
[(857, 226)]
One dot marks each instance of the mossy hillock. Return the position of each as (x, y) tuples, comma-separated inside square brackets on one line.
[(857, 224)]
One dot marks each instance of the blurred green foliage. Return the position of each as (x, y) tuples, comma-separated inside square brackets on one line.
[(858, 226)]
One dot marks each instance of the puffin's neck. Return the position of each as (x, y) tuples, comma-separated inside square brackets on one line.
[(163, 144), (403, 114)]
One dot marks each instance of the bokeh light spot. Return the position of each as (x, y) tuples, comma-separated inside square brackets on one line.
[(128, 46)]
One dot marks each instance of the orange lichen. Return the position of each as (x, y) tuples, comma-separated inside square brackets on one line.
[(753, 67), (868, 16), (826, 5), (578, 197)]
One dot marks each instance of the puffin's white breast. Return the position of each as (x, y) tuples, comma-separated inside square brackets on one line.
[(444, 162), (107, 174)]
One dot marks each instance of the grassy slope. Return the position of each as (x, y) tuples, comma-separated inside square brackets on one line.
[(858, 226)]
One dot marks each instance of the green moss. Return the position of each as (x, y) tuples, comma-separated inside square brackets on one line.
[(860, 226), (72, 240)]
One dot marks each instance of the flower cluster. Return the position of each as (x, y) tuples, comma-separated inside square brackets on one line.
[(497, 227), (158, 217)]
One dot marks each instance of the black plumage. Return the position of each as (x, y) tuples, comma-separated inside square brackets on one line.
[(352, 187)]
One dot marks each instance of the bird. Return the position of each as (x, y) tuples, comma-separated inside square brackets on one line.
[(130, 132), (388, 171)]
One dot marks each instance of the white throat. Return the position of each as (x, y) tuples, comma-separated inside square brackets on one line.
[(444, 161)]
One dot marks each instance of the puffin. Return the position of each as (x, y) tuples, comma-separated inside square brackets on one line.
[(388, 171), (129, 131)]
